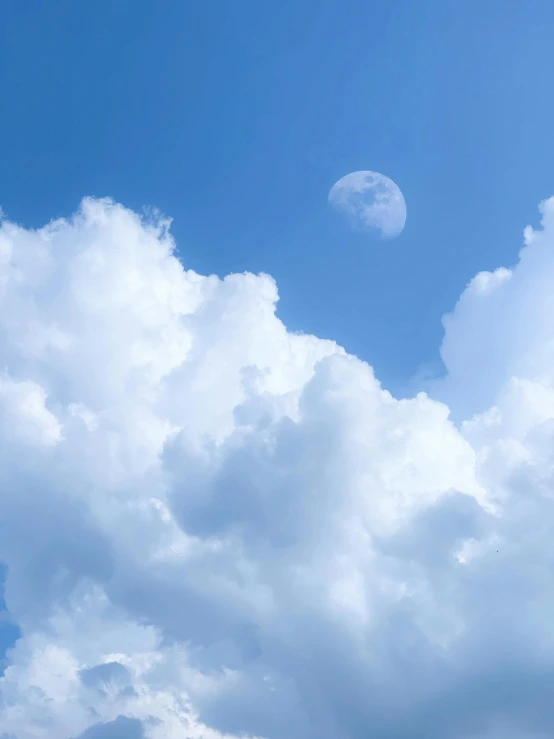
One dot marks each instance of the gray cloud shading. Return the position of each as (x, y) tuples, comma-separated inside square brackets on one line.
[(213, 527), (121, 728)]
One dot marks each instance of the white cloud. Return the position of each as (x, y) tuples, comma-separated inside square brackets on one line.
[(502, 326), (213, 526)]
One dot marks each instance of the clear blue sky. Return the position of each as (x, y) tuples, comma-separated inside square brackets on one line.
[(235, 118)]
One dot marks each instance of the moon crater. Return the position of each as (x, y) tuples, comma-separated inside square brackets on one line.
[(371, 201)]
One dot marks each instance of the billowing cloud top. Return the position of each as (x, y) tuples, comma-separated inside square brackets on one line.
[(213, 527)]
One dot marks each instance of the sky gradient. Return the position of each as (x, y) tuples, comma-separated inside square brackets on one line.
[(236, 119), (263, 475)]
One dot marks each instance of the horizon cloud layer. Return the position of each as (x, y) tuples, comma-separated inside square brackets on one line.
[(214, 527)]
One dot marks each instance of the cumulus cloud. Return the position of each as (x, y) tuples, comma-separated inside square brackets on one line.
[(215, 528)]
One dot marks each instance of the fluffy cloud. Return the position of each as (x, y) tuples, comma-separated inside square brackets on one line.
[(213, 527)]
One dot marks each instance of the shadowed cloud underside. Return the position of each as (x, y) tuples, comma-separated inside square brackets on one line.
[(214, 527)]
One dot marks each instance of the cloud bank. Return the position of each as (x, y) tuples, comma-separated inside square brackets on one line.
[(216, 528)]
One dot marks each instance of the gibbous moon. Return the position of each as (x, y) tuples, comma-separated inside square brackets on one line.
[(370, 201)]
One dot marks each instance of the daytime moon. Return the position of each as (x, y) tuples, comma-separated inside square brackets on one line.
[(371, 202)]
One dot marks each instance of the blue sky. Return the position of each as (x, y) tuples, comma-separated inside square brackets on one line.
[(212, 521), (236, 118)]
